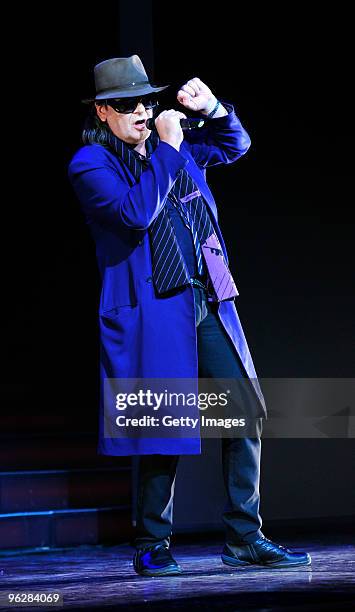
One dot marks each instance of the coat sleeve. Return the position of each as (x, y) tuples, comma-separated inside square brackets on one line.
[(222, 141), (109, 200)]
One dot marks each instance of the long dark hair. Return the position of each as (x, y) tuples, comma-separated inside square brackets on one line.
[(95, 130)]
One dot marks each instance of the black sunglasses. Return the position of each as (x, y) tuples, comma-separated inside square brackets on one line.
[(129, 105)]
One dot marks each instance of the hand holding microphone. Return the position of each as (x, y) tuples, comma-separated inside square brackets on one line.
[(168, 127)]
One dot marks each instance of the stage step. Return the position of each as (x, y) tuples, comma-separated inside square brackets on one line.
[(61, 528), (29, 491), (55, 489), (68, 507)]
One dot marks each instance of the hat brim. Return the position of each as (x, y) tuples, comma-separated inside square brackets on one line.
[(132, 92)]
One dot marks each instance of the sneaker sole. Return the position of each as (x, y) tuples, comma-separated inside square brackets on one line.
[(237, 563), (299, 564), (234, 562), (167, 571)]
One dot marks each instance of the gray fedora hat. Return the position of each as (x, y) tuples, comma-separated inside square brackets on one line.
[(121, 77)]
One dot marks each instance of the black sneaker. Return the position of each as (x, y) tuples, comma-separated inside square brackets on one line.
[(155, 561), (263, 552)]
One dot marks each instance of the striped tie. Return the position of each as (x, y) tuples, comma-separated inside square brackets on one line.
[(169, 268), (188, 200)]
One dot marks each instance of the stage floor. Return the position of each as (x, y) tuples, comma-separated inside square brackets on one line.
[(103, 578)]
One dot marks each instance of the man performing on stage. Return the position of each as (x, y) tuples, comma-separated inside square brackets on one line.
[(165, 311)]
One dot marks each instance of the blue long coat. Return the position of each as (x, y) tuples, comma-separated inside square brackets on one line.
[(143, 335)]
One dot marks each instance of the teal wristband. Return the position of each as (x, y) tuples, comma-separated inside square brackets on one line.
[(214, 110)]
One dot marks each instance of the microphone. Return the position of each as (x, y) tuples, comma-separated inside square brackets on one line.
[(191, 123)]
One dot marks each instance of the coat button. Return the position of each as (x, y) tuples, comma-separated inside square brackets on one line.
[(149, 279), (140, 242)]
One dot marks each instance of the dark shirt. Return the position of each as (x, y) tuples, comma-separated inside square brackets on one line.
[(184, 238)]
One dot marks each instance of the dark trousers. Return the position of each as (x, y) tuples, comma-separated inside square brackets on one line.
[(217, 358)]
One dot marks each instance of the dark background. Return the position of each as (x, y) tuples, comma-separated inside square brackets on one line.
[(285, 209)]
